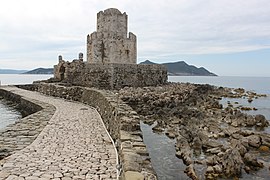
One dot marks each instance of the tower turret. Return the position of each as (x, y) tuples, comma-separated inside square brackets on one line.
[(110, 44)]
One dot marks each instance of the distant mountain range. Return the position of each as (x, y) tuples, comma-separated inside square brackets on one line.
[(34, 71), (40, 71), (181, 68), (11, 71)]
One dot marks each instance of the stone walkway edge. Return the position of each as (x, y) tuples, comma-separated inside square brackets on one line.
[(116, 152)]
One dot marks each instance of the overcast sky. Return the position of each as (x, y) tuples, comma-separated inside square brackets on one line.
[(228, 37)]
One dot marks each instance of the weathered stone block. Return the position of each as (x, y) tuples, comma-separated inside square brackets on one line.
[(125, 136), (132, 162), (133, 175)]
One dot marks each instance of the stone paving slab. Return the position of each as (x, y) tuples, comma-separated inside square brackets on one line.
[(74, 145)]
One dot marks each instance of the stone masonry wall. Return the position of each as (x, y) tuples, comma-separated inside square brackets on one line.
[(24, 131), (114, 76), (121, 122)]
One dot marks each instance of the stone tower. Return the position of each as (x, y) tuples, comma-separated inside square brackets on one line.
[(110, 43)]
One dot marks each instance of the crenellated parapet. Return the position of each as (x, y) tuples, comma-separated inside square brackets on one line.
[(112, 21)]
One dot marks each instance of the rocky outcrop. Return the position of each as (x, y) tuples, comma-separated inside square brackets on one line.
[(217, 138)]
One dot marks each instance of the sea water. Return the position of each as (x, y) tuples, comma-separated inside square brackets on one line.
[(13, 79), (8, 113), (257, 84)]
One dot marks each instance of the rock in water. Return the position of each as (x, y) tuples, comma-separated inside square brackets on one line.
[(183, 150), (254, 141), (197, 146), (191, 172), (251, 160), (261, 121), (232, 163), (239, 146)]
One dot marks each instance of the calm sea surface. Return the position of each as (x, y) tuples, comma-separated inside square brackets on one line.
[(11, 79), (257, 84)]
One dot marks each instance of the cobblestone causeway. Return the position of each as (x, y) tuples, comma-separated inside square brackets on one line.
[(74, 145)]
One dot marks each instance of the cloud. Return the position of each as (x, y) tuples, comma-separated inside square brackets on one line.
[(36, 32)]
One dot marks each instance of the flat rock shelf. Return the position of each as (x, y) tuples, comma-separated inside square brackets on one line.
[(73, 145)]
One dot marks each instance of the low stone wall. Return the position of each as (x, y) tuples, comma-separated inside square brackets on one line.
[(121, 121), (23, 132), (24, 106)]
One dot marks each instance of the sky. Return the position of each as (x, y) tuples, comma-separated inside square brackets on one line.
[(227, 37)]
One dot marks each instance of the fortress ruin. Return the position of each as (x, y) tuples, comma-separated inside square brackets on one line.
[(111, 58)]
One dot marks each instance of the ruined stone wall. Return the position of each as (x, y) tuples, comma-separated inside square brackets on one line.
[(114, 76), (64, 68), (110, 44)]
